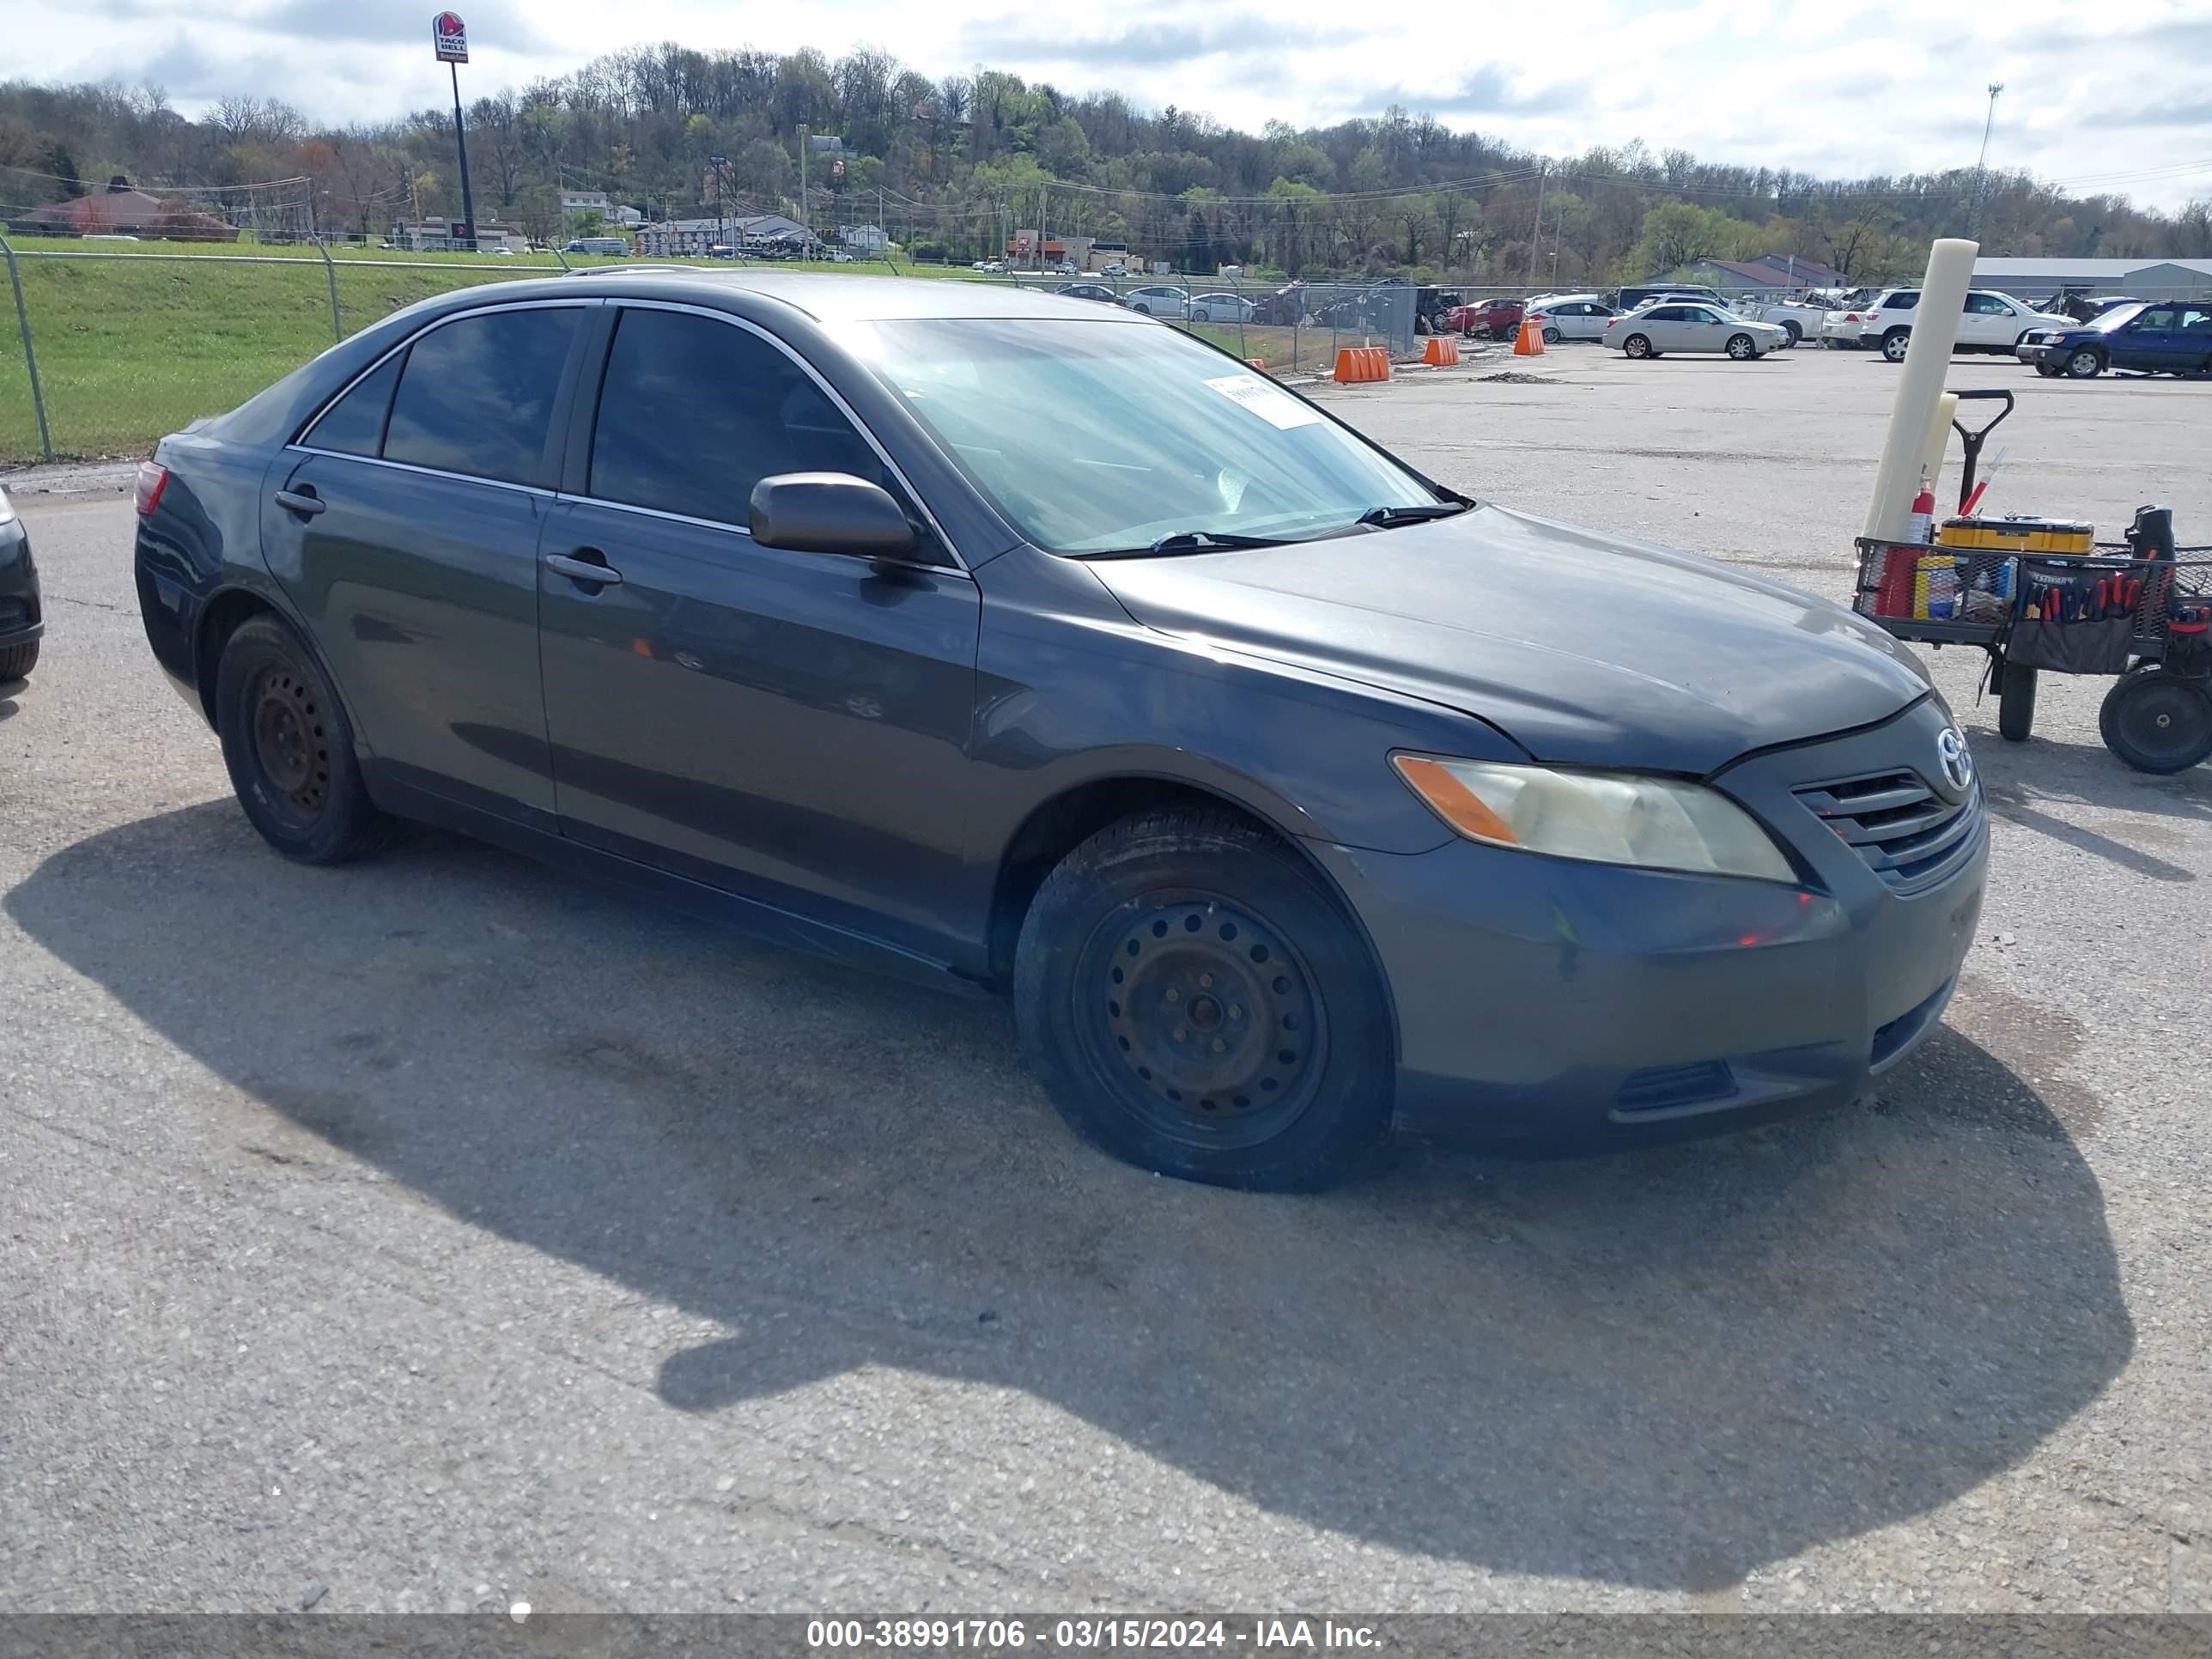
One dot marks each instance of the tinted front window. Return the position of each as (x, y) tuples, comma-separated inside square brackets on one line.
[(355, 424), (694, 412), (477, 394), (1099, 436)]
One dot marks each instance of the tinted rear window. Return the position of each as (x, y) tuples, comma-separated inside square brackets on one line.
[(355, 424), (477, 395)]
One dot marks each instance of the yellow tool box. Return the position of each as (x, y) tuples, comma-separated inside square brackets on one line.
[(2018, 535)]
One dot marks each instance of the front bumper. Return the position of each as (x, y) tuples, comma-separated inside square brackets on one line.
[(1548, 1006), (22, 615), (2042, 353)]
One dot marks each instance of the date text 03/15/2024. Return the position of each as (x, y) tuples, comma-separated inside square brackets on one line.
[(1080, 1635)]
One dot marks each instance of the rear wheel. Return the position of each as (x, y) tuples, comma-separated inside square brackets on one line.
[(1551, 336), (1194, 1001), (1895, 343), (289, 748), (2015, 702), (17, 661), (2156, 721), (2086, 364), (1637, 345), (1792, 331)]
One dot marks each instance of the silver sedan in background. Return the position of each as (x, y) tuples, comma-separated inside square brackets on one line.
[(1683, 325), (1221, 308)]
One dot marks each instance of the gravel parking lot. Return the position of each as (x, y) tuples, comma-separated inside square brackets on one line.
[(436, 1232)]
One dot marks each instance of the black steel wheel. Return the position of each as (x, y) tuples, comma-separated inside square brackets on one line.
[(2015, 702), (289, 748), (2156, 721), (1194, 1001)]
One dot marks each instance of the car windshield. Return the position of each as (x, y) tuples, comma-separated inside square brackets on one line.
[(1104, 437), (2118, 317)]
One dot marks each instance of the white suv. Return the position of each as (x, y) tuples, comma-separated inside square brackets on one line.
[(1989, 322)]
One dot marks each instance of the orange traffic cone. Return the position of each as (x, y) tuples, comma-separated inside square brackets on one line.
[(1531, 341), (1433, 356)]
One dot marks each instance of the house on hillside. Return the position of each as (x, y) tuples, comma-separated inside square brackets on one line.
[(1770, 276), (697, 236), (122, 210)]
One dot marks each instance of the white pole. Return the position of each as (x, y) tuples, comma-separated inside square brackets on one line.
[(1939, 439), (1935, 320)]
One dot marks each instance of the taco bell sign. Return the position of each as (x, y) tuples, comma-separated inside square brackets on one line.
[(451, 36)]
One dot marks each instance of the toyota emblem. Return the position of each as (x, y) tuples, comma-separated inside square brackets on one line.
[(1958, 765)]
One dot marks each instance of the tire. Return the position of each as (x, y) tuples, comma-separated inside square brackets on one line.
[(1198, 315), (1551, 336), (1637, 345), (2049, 371), (2015, 703), (289, 749), (1742, 348), (1796, 335), (16, 661), (2156, 721), (1178, 923), (1895, 343), (2086, 364)]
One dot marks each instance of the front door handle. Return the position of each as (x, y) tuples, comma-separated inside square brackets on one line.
[(305, 502), (579, 569)]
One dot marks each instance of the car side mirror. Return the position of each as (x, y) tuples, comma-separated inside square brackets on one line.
[(830, 512)]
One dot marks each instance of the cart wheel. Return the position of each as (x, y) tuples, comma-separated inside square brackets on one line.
[(2015, 701), (2156, 721)]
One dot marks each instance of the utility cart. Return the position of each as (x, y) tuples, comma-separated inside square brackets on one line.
[(2037, 594)]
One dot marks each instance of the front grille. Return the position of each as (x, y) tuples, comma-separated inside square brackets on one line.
[(1658, 1087), (1909, 834)]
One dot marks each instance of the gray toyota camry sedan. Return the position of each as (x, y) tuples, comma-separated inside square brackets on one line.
[(1020, 644)]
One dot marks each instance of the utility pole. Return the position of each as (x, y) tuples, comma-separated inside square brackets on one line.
[(1537, 235), (1043, 191), (718, 162), (1982, 162), (807, 223)]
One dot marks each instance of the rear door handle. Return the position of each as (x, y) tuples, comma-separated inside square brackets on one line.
[(305, 502), (577, 569)]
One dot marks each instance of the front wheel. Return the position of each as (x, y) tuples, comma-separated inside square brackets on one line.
[(1636, 345), (288, 747), (2156, 721), (1895, 343), (17, 661), (1194, 1001), (2086, 364), (1742, 348)]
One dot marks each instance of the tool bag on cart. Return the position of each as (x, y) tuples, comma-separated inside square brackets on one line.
[(2070, 624)]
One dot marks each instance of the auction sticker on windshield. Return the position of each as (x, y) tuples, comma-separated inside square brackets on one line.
[(1271, 403)]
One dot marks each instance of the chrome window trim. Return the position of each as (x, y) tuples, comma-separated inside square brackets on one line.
[(425, 471), (836, 398)]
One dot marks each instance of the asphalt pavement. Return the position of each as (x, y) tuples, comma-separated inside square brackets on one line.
[(438, 1232)]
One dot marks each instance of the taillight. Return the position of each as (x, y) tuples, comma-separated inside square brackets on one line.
[(1850, 316), (153, 479)]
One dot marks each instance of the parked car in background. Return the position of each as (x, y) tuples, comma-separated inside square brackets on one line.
[(1098, 291), (2083, 307), (1159, 299), (2164, 336), (1989, 321), (1116, 269), (1839, 324), (1288, 814), (22, 618), (1654, 330), (1571, 317), (1801, 319), (1221, 308), (1283, 309), (1628, 299), (1487, 319)]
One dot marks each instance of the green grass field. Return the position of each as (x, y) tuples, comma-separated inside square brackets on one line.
[(130, 347)]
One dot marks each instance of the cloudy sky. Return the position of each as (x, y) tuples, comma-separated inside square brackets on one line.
[(2097, 99)]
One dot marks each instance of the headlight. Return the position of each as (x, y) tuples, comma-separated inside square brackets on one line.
[(1609, 818)]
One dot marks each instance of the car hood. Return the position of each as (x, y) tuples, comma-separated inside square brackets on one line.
[(1583, 649)]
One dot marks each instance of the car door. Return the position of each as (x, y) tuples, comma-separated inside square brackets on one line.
[(405, 525), (1663, 326), (1704, 329), (2150, 341), (1590, 320), (792, 726)]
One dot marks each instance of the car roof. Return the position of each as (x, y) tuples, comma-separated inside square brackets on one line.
[(830, 298)]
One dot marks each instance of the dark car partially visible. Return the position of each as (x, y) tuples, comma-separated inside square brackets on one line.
[(22, 621), (2148, 336)]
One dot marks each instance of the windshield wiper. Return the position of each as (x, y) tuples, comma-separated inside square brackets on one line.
[(1389, 518), (1191, 541)]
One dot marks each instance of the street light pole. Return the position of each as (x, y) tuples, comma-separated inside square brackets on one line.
[(1982, 161)]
